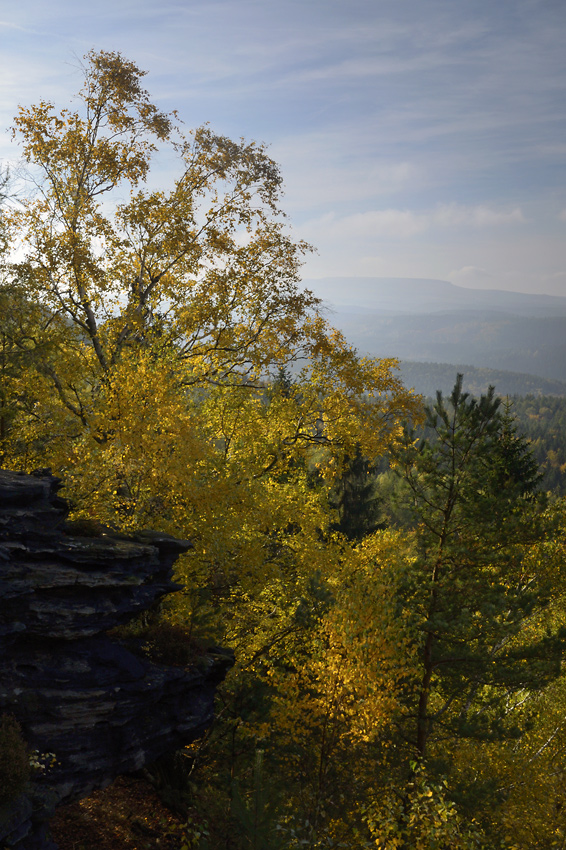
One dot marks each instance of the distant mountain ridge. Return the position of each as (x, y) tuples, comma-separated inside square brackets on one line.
[(434, 321), (427, 295)]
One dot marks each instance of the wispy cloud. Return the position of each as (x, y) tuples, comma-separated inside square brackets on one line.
[(403, 224), (11, 26)]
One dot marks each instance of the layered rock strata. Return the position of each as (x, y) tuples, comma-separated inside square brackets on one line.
[(101, 710)]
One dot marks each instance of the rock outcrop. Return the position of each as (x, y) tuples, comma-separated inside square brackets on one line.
[(78, 694)]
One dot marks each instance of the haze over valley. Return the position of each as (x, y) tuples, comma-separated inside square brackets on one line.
[(436, 322)]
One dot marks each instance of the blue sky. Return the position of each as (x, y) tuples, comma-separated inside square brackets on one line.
[(417, 138)]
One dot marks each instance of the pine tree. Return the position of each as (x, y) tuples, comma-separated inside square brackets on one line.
[(472, 484)]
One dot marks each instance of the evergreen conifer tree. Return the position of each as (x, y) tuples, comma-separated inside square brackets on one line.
[(472, 485), (354, 497)]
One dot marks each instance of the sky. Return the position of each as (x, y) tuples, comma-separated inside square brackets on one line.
[(416, 138)]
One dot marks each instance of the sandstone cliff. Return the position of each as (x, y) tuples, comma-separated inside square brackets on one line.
[(76, 693)]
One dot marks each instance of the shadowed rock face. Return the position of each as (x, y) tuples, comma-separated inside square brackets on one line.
[(76, 693)]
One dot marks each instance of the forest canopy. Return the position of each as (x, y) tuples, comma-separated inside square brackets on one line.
[(399, 635)]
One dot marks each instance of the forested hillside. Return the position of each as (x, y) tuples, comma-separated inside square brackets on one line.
[(427, 378), (543, 420), (399, 633)]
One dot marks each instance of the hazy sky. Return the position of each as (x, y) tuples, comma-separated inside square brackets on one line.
[(417, 138)]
